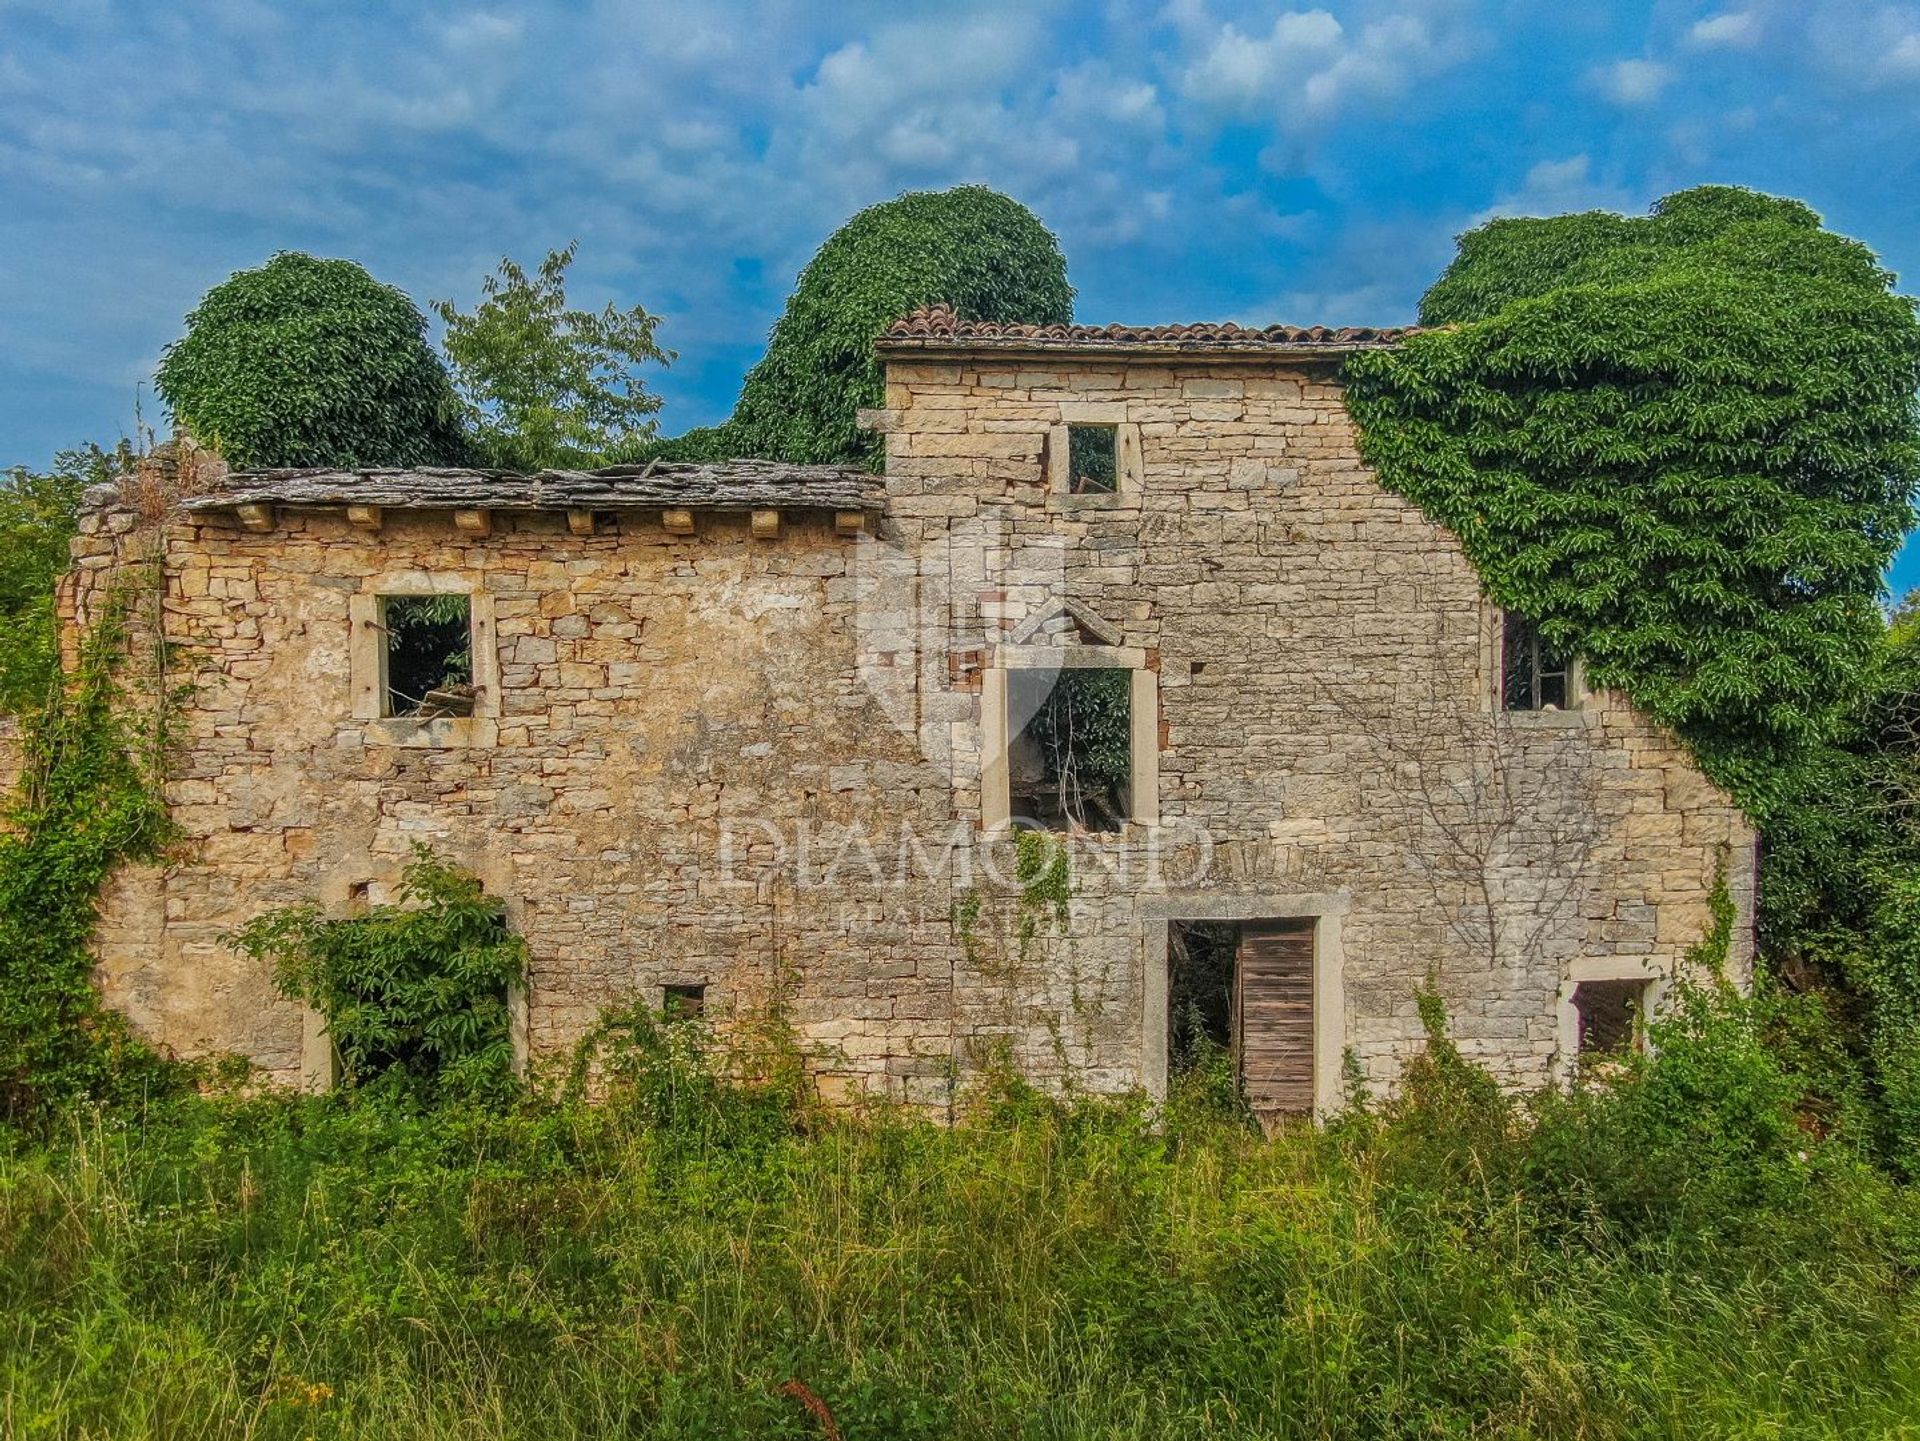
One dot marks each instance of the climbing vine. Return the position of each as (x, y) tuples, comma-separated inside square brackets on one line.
[(88, 799), (1684, 445)]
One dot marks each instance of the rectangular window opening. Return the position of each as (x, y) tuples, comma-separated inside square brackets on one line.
[(1070, 753), (1610, 1013), (1093, 459), (1533, 674), (429, 655), (684, 1003)]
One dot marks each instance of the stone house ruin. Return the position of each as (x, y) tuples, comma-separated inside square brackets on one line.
[(723, 732)]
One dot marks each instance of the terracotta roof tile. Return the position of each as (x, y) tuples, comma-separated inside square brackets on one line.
[(936, 327)]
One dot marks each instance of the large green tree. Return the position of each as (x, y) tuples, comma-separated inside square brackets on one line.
[(987, 256), (545, 385), (1685, 444), (311, 362)]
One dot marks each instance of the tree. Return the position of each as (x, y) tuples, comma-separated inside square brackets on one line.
[(547, 386), (987, 256), (310, 362), (1684, 445), (38, 511)]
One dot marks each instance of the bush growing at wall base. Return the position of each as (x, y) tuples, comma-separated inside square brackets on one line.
[(414, 995)]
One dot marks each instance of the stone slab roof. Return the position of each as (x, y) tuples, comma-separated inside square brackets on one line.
[(937, 328), (734, 485)]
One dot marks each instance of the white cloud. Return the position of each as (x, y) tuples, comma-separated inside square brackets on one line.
[(1631, 82), (1309, 67), (1734, 29)]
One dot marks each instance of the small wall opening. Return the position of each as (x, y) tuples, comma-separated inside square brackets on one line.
[(429, 655), (1070, 761), (1609, 1014), (683, 1002), (1093, 459)]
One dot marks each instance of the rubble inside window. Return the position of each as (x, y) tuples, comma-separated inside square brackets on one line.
[(429, 656), (1070, 762)]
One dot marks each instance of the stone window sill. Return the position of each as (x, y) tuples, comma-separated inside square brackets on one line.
[(447, 733), (1092, 500), (1577, 719)]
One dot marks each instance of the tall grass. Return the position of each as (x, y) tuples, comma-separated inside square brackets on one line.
[(662, 1262)]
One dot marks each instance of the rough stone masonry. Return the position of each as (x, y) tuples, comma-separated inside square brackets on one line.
[(752, 728)]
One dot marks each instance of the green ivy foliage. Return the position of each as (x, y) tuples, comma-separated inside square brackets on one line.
[(544, 385), (1085, 732), (87, 801), (987, 256), (311, 362), (38, 511), (1684, 444), (414, 995)]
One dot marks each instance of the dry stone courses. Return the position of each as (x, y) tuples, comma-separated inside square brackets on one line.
[(762, 749)]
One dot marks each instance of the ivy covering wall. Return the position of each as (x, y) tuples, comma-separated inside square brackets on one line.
[(1684, 444), (986, 255)]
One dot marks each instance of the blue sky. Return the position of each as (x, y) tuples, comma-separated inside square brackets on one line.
[(1199, 159)]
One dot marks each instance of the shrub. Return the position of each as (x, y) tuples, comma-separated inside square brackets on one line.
[(311, 362), (414, 995)]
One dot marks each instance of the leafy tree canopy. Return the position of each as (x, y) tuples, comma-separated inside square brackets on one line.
[(987, 256), (1685, 444), (547, 386), (310, 362)]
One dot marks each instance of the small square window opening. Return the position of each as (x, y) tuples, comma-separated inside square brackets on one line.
[(684, 1003), (1093, 459), (1533, 674), (429, 656), (1070, 762), (1610, 1013)]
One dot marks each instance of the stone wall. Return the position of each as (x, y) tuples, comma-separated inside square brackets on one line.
[(760, 763)]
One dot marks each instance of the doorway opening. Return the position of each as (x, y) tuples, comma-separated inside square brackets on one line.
[(1243, 991)]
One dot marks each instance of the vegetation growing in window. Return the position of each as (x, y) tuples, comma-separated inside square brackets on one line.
[(1683, 445), (1082, 724), (987, 256), (1093, 465), (429, 654), (546, 386), (414, 995), (311, 362)]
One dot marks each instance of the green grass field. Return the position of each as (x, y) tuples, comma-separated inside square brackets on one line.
[(1663, 1257)]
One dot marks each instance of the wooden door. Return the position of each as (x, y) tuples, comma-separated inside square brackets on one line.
[(1273, 1017)]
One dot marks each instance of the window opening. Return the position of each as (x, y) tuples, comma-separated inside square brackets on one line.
[(429, 655), (1610, 1013), (1093, 466), (1533, 674), (1070, 763), (684, 1003)]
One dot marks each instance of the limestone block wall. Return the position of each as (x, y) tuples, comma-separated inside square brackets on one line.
[(1329, 741), (764, 764)]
